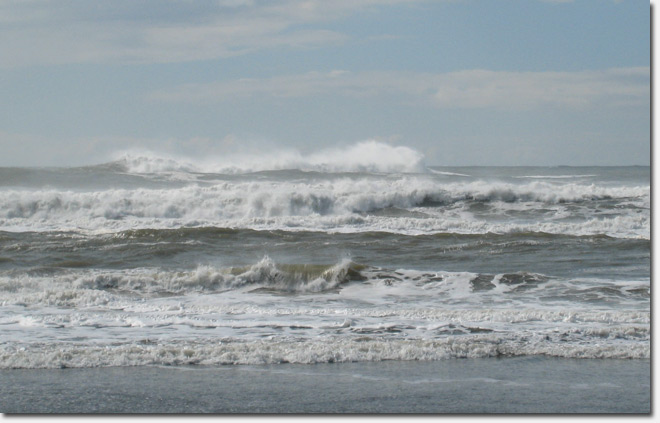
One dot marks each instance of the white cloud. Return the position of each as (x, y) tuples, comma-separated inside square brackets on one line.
[(75, 31), (463, 89)]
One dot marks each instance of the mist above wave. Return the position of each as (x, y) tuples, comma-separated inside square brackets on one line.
[(366, 156)]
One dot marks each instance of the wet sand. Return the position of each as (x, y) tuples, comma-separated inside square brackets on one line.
[(497, 385)]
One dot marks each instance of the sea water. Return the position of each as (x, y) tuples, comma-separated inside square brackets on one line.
[(361, 255), (530, 384)]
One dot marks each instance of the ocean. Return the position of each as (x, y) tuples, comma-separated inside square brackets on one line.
[(304, 261)]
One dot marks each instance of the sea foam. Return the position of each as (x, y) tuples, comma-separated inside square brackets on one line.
[(333, 350), (365, 156), (405, 204)]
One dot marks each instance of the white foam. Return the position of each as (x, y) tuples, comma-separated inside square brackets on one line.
[(365, 156), (439, 172), (554, 176), (217, 352), (342, 205), (109, 288), (117, 318)]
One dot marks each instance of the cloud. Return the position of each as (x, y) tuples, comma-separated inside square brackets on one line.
[(466, 89), (151, 31)]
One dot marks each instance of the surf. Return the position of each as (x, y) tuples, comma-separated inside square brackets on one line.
[(365, 156)]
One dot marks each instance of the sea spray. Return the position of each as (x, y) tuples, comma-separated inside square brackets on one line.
[(365, 156), (403, 204), (352, 254)]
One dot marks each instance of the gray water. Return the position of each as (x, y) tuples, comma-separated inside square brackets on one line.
[(511, 385), (148, 262)]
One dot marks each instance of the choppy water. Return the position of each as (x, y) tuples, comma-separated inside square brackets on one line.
[(147, 260)]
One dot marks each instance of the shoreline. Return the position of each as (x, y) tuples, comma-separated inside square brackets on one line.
[(530, 384)]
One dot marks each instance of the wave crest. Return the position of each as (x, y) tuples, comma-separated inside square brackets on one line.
[(264, 275), (332, 350), (365, 156), (408, 204)]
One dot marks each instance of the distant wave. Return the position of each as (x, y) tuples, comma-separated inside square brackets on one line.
[(366, 156), (554, 176), (439, 172), (270, 199)]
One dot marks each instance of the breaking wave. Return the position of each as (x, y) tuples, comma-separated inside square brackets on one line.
[(83, 288), (270, 313), (365, 156), (335, 350), (152, 260), (266, 274), (101, 287), (408, 204)]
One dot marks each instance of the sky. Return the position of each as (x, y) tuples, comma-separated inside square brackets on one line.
[(463, 82)]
